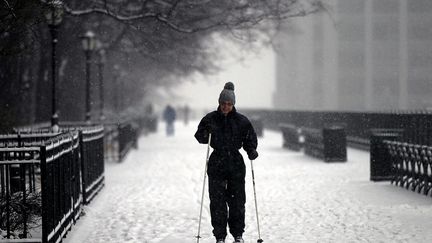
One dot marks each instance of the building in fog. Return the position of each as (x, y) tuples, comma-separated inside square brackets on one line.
[(359, 55)]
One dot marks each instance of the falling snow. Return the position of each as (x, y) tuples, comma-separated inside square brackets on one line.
[(154, 196)]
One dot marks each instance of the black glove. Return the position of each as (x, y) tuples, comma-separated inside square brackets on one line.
[(210, 128), (253, 154)]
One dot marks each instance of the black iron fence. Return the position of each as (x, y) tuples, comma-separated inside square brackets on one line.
[(411, 166), (91, 139), (47, 198), (92, 166), (128, 138), (18, 190), (416, 126), (120, 139), (111, 144), (400, 142), (60, 183), (46, 177)]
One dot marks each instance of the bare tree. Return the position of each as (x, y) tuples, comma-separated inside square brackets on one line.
[(163, 28), (151, 40)]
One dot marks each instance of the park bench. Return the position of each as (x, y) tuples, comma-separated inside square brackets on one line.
[(328, 143), (380, 162), (291, 136)]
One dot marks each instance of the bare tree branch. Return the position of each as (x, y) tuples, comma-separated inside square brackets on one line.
[(122, 18), (196, 22)]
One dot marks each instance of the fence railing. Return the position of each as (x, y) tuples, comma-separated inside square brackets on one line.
[(128, 138), (46, 177), (416, 126), (400, 142), (60, 171), (60, 182), (91, 139), (49, 187), (111, 143), (120, 139), (411, 166), (18, 190), (93, 165)]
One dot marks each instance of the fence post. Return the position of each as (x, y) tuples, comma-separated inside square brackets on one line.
[(15, 173), (22, 184), (8, 233), (83, 169), (43, 165)]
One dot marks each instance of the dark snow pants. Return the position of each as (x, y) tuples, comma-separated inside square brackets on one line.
[(226, 172)]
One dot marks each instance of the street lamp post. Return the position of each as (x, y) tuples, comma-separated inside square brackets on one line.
[(116, 87), (54, 16), (122, 92), (101, 64), (88, 44)]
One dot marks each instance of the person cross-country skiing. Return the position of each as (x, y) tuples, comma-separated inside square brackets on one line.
[(226, 169)]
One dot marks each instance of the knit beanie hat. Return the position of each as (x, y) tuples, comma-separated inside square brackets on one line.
[(227, 93)]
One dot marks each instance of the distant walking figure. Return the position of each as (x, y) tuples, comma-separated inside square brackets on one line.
[(186, 112), (230, 131), (169, 115)]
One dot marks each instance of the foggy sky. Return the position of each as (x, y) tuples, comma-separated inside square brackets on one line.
[(254, 80)]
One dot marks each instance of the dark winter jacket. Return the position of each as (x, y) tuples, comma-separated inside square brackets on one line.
[(229, 133), (169, 114)]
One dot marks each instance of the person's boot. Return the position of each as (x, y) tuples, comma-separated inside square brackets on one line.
[(238, 239)]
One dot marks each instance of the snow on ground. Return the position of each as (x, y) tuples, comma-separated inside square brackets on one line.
[(154, 196)]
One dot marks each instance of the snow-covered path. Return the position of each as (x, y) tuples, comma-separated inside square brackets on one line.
[(154, 196)]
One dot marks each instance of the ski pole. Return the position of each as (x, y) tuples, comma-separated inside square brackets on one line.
[(256, 205), (203, 189)]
